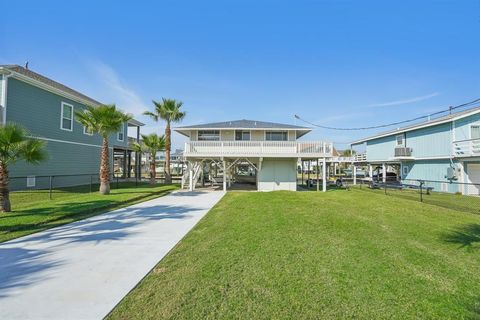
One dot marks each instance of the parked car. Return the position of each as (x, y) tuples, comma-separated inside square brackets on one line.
[(360, 173), (391, 176)]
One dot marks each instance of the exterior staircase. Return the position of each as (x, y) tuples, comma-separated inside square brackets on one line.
[(197, 173)]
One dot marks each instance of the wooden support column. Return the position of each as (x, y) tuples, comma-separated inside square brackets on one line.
[(190, 176), (324, 175), (302, 172), (384, 172), (370, 171), (318, 174), (224, 175), (308, 173), (354, 174)]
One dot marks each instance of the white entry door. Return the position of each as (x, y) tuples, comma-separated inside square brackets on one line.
[(474, 177)]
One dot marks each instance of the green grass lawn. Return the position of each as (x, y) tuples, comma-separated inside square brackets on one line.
[(33, 211), (340, 254)]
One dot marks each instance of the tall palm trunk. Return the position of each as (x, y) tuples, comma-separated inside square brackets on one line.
[(105, 168), (168, 133), (4, 192), (153, 170)]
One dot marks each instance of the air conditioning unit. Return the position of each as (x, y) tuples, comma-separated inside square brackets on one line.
[(403, 152), (451, 173)]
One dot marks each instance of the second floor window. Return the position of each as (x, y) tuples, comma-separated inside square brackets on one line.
[(400, 140), (276, 135), (208, 135), (120, 135), (475, 131), (241, 135), (67, 117)]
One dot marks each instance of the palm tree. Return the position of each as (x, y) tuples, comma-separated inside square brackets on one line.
[(104, 120), (16, 145), (151, 144), (168, 110)]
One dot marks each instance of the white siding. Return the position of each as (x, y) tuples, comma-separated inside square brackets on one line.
[(278, 174), (257, 135)]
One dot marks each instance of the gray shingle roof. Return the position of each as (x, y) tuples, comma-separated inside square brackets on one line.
[(49, 82), (442, 119), (243, 124)]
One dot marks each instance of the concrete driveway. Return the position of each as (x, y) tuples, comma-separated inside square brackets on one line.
[(83, 269)]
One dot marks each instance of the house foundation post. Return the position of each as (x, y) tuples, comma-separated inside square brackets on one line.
[(318, 174), (190, 176), (384, 173), (324, 175), (370, 171), (309, 165), (224, 175), (302, 171), (354, 174)]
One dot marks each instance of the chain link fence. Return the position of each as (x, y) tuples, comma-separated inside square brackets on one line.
[(79, 183), (452, 195)]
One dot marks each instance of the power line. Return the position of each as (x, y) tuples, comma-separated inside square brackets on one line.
[(450, 109)]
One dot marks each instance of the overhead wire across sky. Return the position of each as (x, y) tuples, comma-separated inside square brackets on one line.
[(449, 110)]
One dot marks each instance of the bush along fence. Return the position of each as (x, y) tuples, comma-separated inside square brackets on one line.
[(452, 195), (81, 183)]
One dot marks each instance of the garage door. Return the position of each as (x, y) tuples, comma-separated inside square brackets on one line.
[(474, 177)]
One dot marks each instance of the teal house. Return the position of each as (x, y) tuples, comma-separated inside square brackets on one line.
[(444, 151), (46, 108)]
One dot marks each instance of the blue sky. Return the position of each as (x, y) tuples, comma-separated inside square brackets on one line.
[(336, 63)]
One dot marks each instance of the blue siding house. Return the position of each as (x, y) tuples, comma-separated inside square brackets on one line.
[(46, 108), (446, 150)]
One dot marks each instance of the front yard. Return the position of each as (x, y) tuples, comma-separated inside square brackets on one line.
[(33, 211), (342, 254)]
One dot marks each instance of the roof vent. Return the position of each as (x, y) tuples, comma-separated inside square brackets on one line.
[(255, 122)]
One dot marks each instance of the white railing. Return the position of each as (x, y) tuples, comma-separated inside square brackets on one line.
[(258, 148), (466, 148), (360, 157), (356, 158)]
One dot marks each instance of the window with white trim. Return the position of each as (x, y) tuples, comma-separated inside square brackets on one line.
[(405, 170), (242, 135), (66, 121), (276, 135), (475, 131), (208, 135), (120, 135), (399, 138), (87, 132)]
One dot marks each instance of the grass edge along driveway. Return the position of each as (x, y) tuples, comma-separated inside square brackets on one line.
[(34, 211), (343, 254)]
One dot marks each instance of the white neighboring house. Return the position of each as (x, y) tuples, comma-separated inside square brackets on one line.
[(270, 150)]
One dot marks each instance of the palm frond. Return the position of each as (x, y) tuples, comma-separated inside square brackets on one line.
[(103, 119), (151, 143), (16, 144), (168, 110), (33, 151)]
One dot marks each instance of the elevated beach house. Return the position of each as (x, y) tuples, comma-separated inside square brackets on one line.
[(442, 150), (46, 108), (264, 154)]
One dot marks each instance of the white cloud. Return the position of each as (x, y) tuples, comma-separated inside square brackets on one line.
[(123, 96), (405, 101)]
